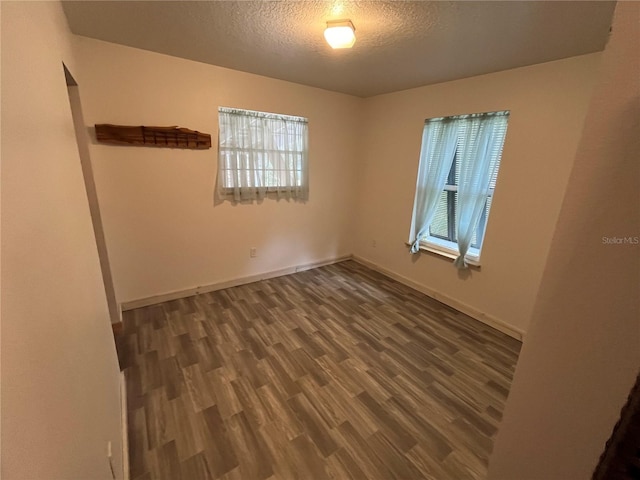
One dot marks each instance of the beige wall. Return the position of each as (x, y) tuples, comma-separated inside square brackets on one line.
[(583, 348), (547, 103), (60, 379), (164, 233), (162, 228)]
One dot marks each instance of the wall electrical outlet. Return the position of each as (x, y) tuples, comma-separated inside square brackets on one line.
[(374, 244), (253, 252)]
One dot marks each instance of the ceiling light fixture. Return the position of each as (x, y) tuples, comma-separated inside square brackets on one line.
[(340, 34)]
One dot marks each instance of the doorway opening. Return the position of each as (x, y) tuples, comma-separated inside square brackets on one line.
[(82, 140)]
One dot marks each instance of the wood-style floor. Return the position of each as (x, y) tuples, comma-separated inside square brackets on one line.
[(333, 373)]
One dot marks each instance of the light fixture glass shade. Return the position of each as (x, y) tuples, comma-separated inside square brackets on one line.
[(340, 34)]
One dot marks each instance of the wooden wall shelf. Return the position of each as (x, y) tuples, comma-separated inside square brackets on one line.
[(168, 137)]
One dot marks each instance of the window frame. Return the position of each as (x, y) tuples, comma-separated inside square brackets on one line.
[(445, 246), (261, 161)]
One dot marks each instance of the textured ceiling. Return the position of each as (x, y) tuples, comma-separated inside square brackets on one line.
[(400, 44)]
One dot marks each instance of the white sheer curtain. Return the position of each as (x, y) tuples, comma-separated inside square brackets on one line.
[(479, 148), (439, 141), (260, 153)]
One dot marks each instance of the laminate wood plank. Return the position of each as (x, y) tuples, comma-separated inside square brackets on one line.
[(279, 377), (284, 333), (214, 314), (176, 323), (320, 398), (430, 467), (309, 464), (333, 373), (231, 336), (308, 344), (400, 436), (237, 318), (361, 419), (236, 474), (167, 344), (343, 467), (255, 343), (368, 385), (375, 360), (290, 365), (197, 467), (227, 352), (198, 389), (150, 373), (265, 299), (278, 412), (423, 356), (307, 318), (496, 387), (362, 453), (252, 406), (427, 433), (405, 365), (458, 469), (411, 333), (146, 338), (360, 333), (190, 437), (255, 460), (209, 357), (462, 409), (196, 328), (222, 456), (279, 448), (187, 354), (246, 365), (330, 346), (225, 396), (445, 339), (316, 428), (167, 464), (394, 459), (470, 438), (159, 419), (475, 394), (341, 375), (310, 366), (494, 413)]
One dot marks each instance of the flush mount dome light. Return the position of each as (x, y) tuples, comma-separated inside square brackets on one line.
[(340, 34)]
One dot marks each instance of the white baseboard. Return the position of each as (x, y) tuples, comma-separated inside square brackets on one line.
[(188, 292), (124, 425), (453, 303)]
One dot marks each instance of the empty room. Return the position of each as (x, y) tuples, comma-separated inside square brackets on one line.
[(320, 240)]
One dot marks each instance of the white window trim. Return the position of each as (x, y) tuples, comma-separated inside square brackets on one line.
[(449, 249)]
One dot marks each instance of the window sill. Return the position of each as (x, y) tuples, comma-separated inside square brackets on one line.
[(446, 253)]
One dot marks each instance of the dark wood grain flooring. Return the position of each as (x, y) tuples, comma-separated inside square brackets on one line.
[(333, 373)]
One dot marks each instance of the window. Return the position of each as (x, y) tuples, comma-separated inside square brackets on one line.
[(443, 225), (261, 153), (459, 164)]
